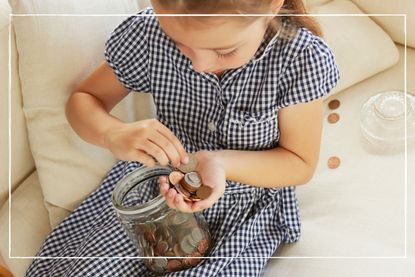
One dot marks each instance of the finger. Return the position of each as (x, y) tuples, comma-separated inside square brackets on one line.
[(177, 144), (155, 151), (182, 205), (170, 195), (142, 157), (164, 185), (175, 177), (168, 147)]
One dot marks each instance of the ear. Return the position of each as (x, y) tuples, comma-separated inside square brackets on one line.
[(276, 6)]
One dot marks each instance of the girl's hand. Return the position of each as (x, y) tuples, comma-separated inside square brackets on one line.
[(211, 171), (145, 141)]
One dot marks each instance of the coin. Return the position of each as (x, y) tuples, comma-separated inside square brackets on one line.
[(333, 162), (149, 236), (334, 104), (161, 248), (174, 265), (159, 264), (183, 192), (197, 234), (192, 180), (174, 176), (190, 166), (333, 118), (204, 192), (186, 246), (203, 246)]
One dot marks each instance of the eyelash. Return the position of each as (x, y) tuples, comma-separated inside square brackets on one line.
[(227, 55)]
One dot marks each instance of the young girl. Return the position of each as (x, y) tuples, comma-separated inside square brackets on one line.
[(241, 92)]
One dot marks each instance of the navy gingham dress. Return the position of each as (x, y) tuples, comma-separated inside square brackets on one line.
[(237, 111)]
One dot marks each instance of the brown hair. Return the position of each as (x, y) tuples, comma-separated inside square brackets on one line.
[(292, 7)]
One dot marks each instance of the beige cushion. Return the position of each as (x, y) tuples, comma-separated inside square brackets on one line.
[(391, 24), (22, 161), (55, 53), (361, 47), (358, 208), (29, 225)]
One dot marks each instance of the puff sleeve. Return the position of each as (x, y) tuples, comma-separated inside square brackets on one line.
[(126, 52), (310, 75)]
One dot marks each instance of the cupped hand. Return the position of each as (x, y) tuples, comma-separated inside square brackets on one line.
[(146, 141), (211, 171)]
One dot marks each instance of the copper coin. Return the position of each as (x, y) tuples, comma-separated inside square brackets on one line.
[(149, 236), (333, 118), (190, 166), (175, 175), (195, 260), (174, 265), (204, 192), (333, 162), (203, 246), (334, 104), (161, 248), (183, 192)]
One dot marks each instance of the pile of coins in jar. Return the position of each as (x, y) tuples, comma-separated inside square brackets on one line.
[(190, 185), (175, 242)]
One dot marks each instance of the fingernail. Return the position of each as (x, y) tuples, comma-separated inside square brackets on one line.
[(186, 159)]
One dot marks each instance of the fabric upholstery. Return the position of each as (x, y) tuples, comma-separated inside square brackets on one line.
[(55, 53), (29, 225), (361, 47), (393, 25), (22, 161)]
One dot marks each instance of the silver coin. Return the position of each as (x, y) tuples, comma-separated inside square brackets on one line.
[(162, 262), (193, 179), (197, 234), (186, 246), (190, 166)]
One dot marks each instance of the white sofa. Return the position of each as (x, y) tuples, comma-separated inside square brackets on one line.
[(353, 216)]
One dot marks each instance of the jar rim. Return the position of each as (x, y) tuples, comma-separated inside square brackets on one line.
[(130, 181)]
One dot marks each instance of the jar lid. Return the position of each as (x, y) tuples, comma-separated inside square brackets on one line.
[(388, 118), (131, 194)]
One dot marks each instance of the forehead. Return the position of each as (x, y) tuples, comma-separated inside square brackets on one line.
[(208, 32)]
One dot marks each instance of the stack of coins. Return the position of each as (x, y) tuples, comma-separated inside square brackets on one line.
[(190, 186), (173, 242)]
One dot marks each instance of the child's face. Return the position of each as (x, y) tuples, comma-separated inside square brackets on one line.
[(216, 45)]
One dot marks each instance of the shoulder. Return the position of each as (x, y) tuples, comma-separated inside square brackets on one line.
[(304, 45), (134, 29)]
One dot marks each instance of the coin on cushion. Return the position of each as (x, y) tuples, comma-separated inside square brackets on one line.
[(334, 104), (333, 162), (333, 118)]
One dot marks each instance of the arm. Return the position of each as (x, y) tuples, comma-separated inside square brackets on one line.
[(146, 141), (88, 107), (293, 162)]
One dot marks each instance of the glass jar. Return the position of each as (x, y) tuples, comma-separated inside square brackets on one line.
[(382, 121), (169, 239)]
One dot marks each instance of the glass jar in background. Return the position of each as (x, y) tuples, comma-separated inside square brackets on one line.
[(382, 122), (171, 240)]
